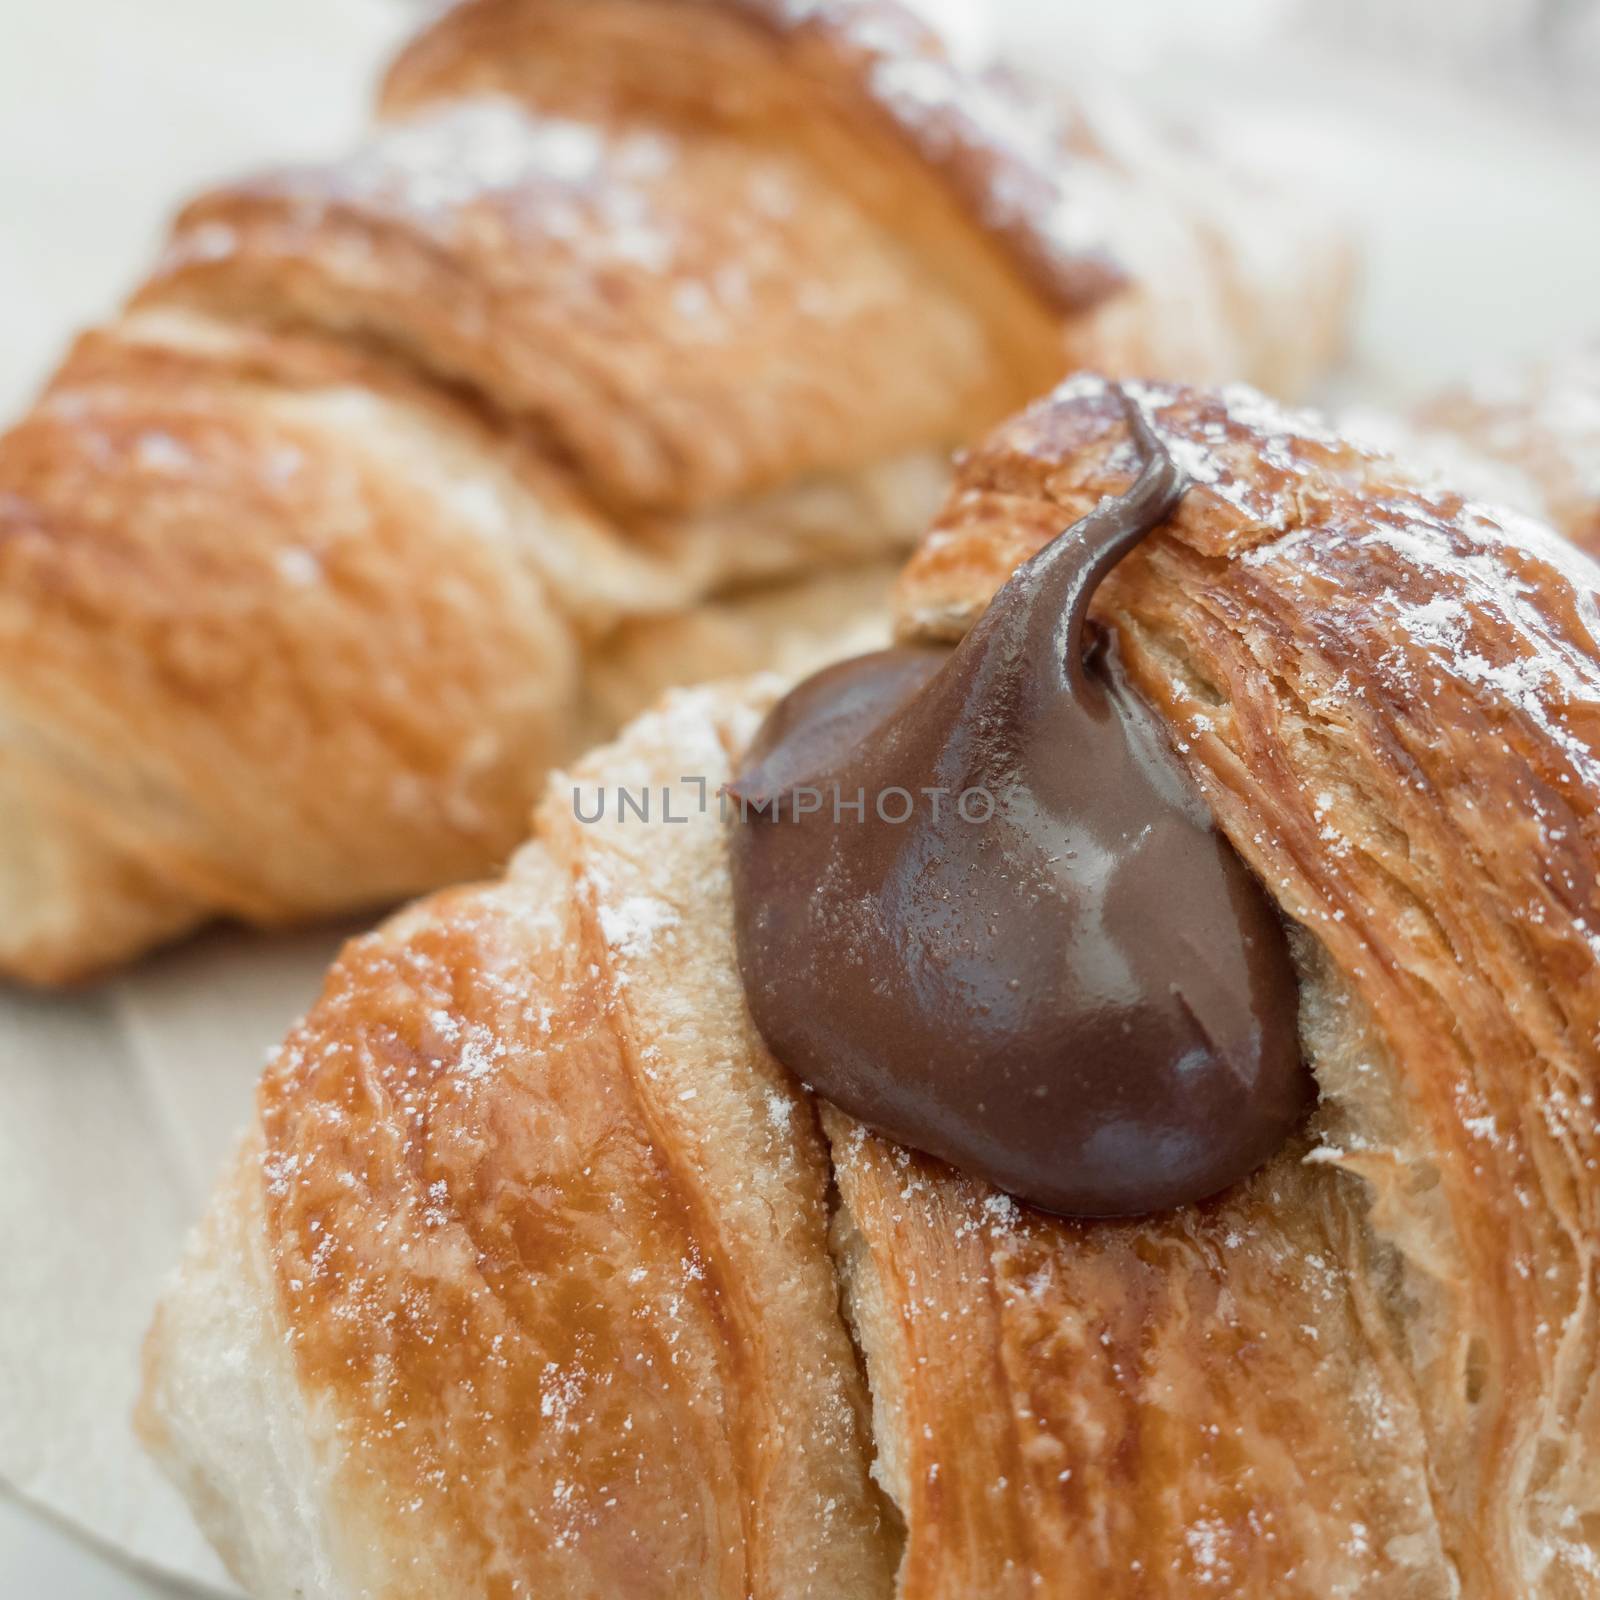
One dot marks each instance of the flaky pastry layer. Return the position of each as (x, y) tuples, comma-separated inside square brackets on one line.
[(535, 1215)]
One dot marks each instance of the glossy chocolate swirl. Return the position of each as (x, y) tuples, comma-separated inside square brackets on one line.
[(1049, 968)]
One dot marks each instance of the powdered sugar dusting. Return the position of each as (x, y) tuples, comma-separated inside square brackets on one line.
[(962, 29), (631, 926), (1206, 1541), (457, 153), (473, 152), (1001, 142), (952, 112), (1542, 418), (487, 163)]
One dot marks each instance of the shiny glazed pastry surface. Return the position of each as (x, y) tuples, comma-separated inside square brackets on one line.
[(309, 559), (526, 1182)]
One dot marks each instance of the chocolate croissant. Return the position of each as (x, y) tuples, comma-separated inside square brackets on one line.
[(537, 1274), (311, 561)]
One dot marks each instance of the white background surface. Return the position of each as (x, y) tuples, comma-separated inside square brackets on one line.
[(1483, 235)]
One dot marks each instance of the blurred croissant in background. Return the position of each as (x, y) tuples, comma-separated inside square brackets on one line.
[(626, 351)]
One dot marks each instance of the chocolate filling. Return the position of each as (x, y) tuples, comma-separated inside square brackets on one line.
[(981, 907)]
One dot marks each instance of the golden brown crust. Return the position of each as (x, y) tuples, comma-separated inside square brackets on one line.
[(867, 88), (304, 559), (1367, 1371), (1064, 225), (1161, 1408), (681, 316), (1391, 699), (243, 614), (566, 1281)]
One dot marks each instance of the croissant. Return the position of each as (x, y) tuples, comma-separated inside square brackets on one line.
[(1523, 435), (538, 1275), (1539, 426), (311, 560)]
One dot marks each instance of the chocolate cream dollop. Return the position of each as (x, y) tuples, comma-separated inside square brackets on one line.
[(981, 907)]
